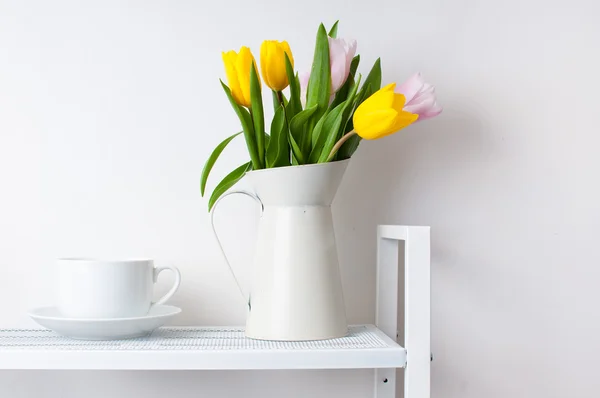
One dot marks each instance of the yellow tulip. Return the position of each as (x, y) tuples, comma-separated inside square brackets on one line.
[(237, 68), (381, 114), (272, 63)]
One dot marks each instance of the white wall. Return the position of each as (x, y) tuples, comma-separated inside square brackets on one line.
[(108, 110)]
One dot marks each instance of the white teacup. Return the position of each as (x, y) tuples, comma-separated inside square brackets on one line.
[(89, 288)]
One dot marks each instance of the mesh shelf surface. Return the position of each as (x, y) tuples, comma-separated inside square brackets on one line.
[(202, 348), (183, 338)]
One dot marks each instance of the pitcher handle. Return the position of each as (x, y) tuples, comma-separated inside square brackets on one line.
[(212, 223)]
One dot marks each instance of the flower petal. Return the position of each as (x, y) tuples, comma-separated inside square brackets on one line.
[(350, 47), (337, 60), (288, 50), (264, 56), (399, 102), (351, 52), (382, 99), (426, 91), (375, 124), (277, 73), (411, 87), (243, 63), (404, 119), (303, 77), (421, 107), (229, 60), (435, 110)]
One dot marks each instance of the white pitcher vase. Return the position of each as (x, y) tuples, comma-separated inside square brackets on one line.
[(296, 289)]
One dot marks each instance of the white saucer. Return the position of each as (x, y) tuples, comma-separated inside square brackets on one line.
[(103, 329)]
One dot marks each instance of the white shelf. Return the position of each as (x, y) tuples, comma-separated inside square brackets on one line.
[(183, 348), (198, 348)]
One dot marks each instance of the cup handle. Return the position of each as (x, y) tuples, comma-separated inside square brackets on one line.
[(212, 222), (171, 292)]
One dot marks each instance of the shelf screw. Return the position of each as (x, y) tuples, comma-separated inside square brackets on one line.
[(385, 380)]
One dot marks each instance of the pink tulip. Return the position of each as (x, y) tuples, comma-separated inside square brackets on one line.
[(341, 52), (420, 97)]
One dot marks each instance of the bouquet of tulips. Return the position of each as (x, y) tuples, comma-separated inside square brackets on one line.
[(323, 116)]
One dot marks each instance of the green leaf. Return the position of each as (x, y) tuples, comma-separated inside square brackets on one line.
[(300, 119), (294, 105), (296, 150), (349, 147), (374, 76), (278, 151), (258, 116), (227, 182), (333, 31), (354, 65), (364, 93), (316, 133), (341, 120), (342, 93), (329, 127), (212, 159), (372, 82), (247, 127), (299, 128), (332, 138), (350, 106), (319, 84)]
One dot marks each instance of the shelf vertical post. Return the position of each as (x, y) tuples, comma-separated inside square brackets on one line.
[(416, 307)]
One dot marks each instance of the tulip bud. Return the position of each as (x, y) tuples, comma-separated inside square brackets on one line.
[(237, 68), (382, 114), (341, 52), (272, 63)]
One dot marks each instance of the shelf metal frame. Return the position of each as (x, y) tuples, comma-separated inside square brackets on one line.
[(417, 306)]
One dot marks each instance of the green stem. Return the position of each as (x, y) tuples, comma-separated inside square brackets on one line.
[(276, 100), (279, 95), (339, 144), (282, 102)]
